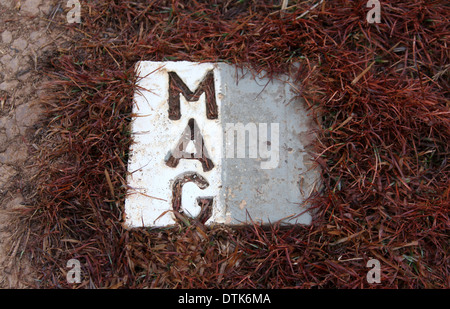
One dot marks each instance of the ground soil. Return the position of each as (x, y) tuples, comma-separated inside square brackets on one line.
[(27, 36)]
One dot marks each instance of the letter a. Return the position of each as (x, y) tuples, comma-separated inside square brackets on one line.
[(190, 135), (73, 275), (374, 15), (374, 275), (74, 15)]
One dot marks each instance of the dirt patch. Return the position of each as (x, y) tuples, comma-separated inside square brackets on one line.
[(28, 32)]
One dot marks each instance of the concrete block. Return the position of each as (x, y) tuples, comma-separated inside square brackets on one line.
[(219, 144)]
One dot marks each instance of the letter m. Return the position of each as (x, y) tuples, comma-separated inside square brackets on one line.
[(177, 86)]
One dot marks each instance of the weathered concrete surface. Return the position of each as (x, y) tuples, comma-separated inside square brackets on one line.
[(272, 193), (256, 145)]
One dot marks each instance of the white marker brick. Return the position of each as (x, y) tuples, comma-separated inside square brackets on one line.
[(184, 147)]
